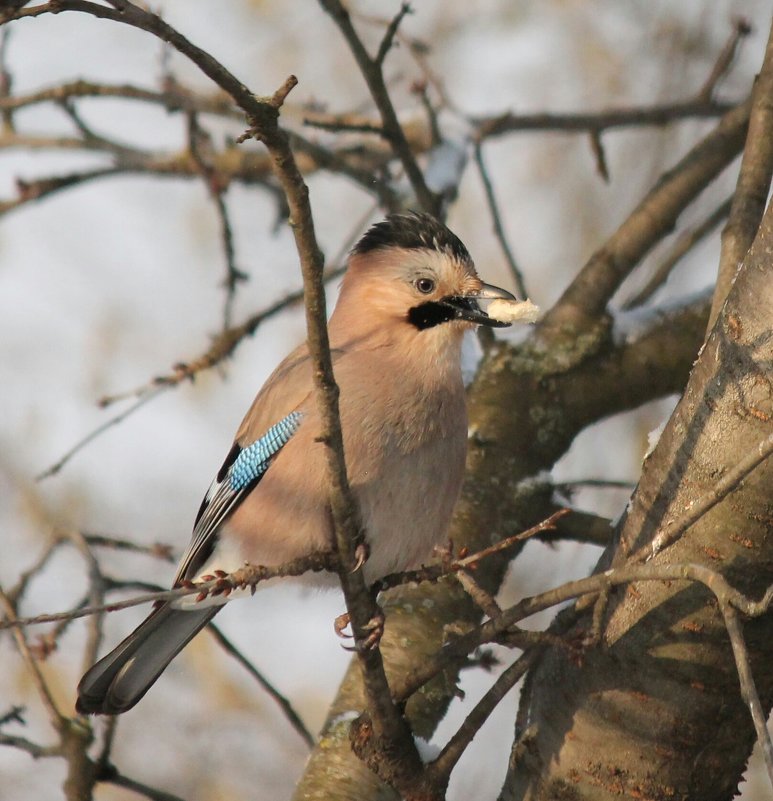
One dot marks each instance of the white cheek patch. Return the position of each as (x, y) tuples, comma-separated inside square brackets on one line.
[(513, 311)]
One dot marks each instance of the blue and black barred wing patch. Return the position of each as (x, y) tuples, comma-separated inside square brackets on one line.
[(241, 471)]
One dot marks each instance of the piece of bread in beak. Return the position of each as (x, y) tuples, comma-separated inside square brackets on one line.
[(513, 311)]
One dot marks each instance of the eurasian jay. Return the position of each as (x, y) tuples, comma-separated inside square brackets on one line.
[(409, 294)]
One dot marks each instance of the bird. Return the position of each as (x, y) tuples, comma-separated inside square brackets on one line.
[(409, 293)]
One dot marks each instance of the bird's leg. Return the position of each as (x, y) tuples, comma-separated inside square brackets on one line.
[(361, 553)]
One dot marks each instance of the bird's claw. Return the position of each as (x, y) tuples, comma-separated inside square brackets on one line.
[(361, 552), (374, 629), (340, 623)]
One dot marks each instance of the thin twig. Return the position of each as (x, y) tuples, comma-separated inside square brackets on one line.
[(599, 155), (668, 534), (683, 245), (13, 715), (222, 347), (94, 141), (32, 191), (347, 123), (419, 51), (157, 550), (447, 567), (496, 220), (173, 98), (596, 121), (436, 137), (33, 749), (108, 738), (58, 721), (247, 577), (485, 127), (442, 766), (287, 708), (741, 29), (484, 600), (16, 592), (112, 776), (374, 77), (96, 596), (389, 35), (748, 687), (100, 429), (200, 145), (6, 80)]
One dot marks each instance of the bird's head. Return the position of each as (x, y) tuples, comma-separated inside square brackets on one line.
[(412, 270)]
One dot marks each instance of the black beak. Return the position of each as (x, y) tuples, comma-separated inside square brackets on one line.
[(465, 307)]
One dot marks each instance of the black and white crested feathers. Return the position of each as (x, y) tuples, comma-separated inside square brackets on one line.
[(412, 230)]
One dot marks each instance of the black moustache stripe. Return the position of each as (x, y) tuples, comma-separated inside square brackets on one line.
[(430, 314)]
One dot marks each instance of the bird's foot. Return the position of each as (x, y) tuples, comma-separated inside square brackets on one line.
[(375, 629)]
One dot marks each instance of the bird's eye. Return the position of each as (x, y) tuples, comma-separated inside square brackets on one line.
[(424, 285)]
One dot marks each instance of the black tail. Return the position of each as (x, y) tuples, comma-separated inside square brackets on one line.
[(121, 678)]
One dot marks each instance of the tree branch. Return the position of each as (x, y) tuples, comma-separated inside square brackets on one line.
[(663, 671), (683, 245), (56, 718), (499, 230), (374, 77), (598, 121), (753, 183), (287, 708), (585, 299), (670, 533), (388, 729), (200, 146), (247, 577)]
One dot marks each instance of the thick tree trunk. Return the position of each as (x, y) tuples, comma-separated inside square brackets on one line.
[(655, 711)]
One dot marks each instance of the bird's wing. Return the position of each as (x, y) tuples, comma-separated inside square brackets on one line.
[(258, 440), (241, 471)]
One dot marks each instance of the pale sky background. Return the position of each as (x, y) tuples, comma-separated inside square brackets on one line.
[(103, 287)]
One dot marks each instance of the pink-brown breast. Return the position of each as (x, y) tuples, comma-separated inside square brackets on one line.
[(405, 444)]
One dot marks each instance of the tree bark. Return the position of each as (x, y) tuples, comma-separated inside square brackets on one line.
[(655, 711)]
